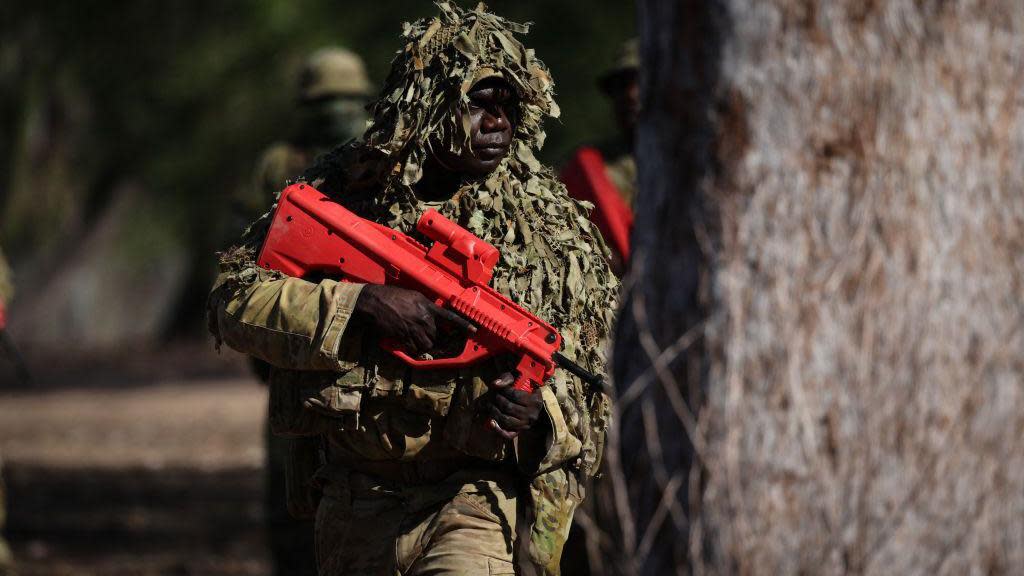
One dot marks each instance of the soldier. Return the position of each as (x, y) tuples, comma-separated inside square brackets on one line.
[(606, 175), (442, 471), (6, 293), (331, 109)]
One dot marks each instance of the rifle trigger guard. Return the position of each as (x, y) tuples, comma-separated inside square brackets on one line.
[(473, 352)]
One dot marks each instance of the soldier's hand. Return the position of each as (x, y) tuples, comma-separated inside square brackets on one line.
[(405, 316), (512, 411)]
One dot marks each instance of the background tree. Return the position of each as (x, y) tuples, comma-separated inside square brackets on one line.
[(851, 176)]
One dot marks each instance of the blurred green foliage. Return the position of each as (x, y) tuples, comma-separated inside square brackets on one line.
[(180, 97)]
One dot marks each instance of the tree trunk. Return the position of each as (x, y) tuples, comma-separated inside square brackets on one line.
[(821, 356)]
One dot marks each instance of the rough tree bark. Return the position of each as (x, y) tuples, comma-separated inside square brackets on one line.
[(821, 359)]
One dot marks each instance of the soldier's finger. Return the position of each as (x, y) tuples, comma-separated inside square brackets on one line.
[(425, 318), (445, 314), (502, 432), (507, 421), (418, 341), (405, 340), (429, 328), (503, 382), (517, 396), (511, 408)]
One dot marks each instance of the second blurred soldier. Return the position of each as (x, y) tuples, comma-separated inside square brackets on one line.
[(331, 100), (333, 89), (606, 175)]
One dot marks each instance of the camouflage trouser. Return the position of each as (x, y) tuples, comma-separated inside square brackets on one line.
[(364, 527)]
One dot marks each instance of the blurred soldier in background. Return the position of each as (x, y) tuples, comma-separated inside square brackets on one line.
[(6, 292), (606, 175), (333, 89)]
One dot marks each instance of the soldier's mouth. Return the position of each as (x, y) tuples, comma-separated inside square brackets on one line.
[(490, 152)]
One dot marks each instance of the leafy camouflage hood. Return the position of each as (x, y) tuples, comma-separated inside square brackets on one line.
[(443, 57)]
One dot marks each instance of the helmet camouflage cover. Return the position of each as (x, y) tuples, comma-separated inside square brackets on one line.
[(333, 72)]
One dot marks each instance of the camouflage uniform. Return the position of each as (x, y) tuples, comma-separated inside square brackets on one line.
[(414, 482), (6, 560), (620, 166), (333, 90)]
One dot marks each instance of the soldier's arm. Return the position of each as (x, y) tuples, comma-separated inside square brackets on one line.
[(287, 322)]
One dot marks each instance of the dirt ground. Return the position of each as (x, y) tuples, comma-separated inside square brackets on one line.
[(114, 468)]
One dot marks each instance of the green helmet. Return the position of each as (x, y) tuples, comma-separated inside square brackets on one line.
[(333, 72)]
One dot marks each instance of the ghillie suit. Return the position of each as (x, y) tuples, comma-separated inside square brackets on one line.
[(553, 263)]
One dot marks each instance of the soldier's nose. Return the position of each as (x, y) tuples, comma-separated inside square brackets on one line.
[(494, 122)]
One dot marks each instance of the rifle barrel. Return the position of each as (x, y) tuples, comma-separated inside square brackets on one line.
[(596, 382)]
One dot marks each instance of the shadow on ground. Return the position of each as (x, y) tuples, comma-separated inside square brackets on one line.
[(136, 522)]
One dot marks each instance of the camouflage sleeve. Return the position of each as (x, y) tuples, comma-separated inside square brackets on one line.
[(560, 445), (288, 322)]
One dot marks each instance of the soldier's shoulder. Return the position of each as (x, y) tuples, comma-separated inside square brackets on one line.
[(344, 170), (283, 158), (622, 170)]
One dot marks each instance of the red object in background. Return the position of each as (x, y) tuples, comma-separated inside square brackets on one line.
[(311, 234), (3, 316), (586, 179)]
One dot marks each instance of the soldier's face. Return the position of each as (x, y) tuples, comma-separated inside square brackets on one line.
[(492, 115), (331, 121)]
